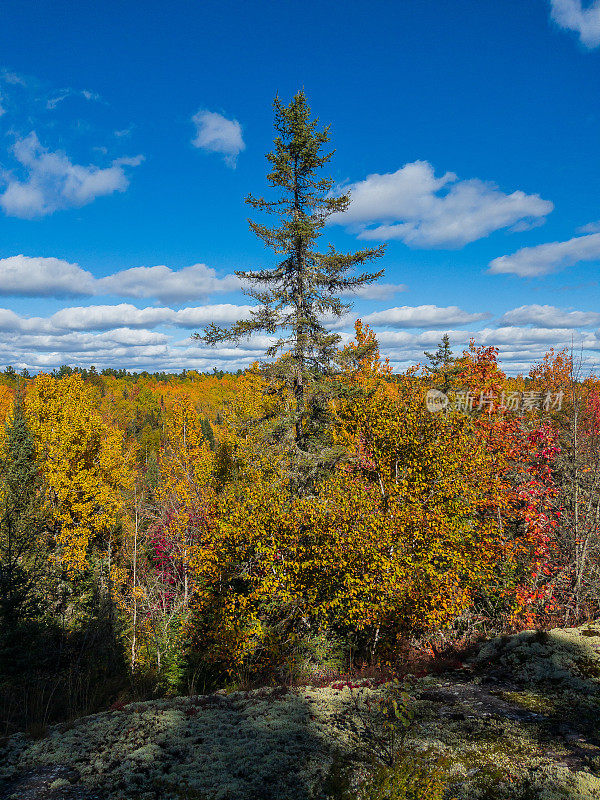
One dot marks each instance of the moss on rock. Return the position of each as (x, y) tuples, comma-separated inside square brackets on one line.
[(533, 736), (566, 656)]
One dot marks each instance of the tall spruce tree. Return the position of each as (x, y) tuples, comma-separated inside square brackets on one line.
[(298, 295)]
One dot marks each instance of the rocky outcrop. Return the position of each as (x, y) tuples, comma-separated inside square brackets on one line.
[(519, 721)]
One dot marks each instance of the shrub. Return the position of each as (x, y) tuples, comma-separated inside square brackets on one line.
[(412, 777)]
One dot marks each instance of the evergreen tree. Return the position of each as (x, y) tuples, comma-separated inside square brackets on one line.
[(299, 294), (207, 432), (444, 365), (21, 530)]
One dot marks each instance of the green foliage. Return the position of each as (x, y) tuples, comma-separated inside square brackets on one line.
[(208, 433), (59, 642), (21, 544), (320, 654), (412, 777), (444, 366), (389, 720), (299, 655), (71, 659)]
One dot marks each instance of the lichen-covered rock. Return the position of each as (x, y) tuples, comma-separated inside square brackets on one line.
[(569, 657), (261, 744), (559, 783), (523, 725)]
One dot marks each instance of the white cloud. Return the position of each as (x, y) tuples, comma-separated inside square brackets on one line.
[(220, 314), (122, 335), (550, 317), (217, 134), (413, 205), (376, 291), (543, 259), (53, 182), (422, 316), (591, 227), (335, 323), (38, 344), (512, 335), (571, 15), (104, 317), (12, 78), (90, 95), (83, 342), (97, 318), (9, 321), (124, 132), (166, 284), (519, 347), (36, 276), (52, 102), (121, 315)]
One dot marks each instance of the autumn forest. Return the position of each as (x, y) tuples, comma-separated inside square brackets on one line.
[(314, 516), (150, 532)]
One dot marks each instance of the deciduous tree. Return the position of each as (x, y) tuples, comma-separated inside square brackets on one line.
[(85, 463)]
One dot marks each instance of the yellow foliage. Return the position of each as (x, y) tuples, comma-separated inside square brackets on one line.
[(6, 400), (84, 462), (399, 540)]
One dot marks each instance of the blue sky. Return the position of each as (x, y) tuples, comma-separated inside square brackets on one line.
[(468, 134)]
